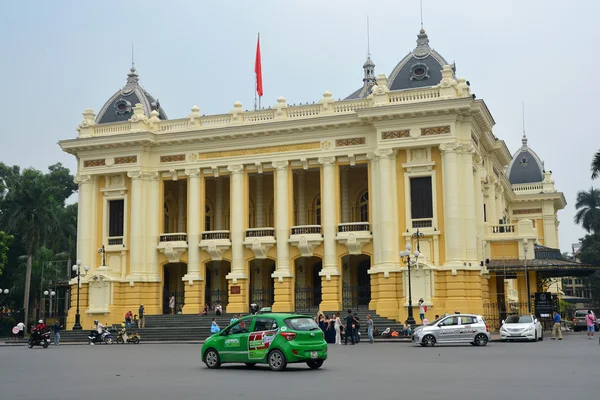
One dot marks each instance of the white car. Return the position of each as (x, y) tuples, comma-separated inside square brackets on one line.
[(521, 327), (457, 328)]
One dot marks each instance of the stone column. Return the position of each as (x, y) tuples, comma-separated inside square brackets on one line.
[(153, 226), (301, 198), (237, 302), (86, 218), (331, 278), (181, 203), (469, 211), (194, 221), (219, 203), (452, 206), (259, 207), (374, 220), (477, 172), (194, 281), (345, 200), (499, 203), (136, 241), (284, 284)]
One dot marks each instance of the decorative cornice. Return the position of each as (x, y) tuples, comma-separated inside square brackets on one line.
[(172, 158), (455, 147), (327, 160), (350, 142), (405, 133), (279, 165), (126, 160), (436, 130), (94, 163), (527, 211), (235, 168)]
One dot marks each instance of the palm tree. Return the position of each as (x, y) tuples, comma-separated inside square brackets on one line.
[(588, 210), (29, 212), (596, 165)]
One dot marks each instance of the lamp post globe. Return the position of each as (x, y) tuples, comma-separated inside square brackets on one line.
[(45, 293)]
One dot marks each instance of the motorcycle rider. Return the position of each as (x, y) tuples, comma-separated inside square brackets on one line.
[(97, 332), (38, 330)]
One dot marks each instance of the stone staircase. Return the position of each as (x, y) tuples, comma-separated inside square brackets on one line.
[(181, 328)]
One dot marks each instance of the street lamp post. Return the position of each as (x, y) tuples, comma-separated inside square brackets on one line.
[(406, 258), (51, 294), (5, 291), (77, 269)]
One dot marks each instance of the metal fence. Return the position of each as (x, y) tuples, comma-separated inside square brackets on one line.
[(307, 299), (356, 296)]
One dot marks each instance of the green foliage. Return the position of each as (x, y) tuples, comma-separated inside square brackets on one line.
[(596, 165), (588, 210), (5, 241)]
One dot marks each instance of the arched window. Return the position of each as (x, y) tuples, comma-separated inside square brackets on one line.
[(166, 222), (363, 207), (317, 210)]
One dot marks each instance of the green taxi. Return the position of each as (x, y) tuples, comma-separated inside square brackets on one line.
[(276, 339)]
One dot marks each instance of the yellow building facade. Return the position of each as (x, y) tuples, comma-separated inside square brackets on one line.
[(305, 207)]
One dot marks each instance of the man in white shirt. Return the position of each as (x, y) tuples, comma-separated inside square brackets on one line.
[(21, 327)]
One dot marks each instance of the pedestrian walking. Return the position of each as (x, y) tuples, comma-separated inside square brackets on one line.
[(141, 312), (356, 328), (128, 316), (422, 309), (556, 328), (590, 321), (338, 329), (56, 328), (21, 327), (370, 328), (214, 327), (349, 325), (172, 304)]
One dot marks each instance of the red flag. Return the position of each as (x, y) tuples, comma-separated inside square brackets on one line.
[(258, 69)]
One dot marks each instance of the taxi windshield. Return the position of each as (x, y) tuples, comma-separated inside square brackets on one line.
[(301, 324), (519, 319)]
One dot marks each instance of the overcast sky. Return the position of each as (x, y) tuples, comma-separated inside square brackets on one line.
[(58, 58)]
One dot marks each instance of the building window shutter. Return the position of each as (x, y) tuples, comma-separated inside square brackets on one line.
[(421, 198)]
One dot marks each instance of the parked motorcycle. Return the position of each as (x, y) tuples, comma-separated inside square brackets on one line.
[(39, 339), (97, 338), (123, 336)]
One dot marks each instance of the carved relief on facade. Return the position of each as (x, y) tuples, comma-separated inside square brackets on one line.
[(350, 142), (126, 160), (172, 158), (527, 211), (395, 134), (436, 130), (94, 163)]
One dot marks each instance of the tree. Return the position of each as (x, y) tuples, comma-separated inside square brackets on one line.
[(29, 211), (5, 241), (596, 165), (588, 210), (590, 254)]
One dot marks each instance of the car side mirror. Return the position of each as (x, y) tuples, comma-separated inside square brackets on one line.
[(440, 324), (502, 322)]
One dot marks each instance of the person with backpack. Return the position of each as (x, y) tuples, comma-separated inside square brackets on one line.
[(349, 325)]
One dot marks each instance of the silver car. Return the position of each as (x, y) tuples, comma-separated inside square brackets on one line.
[(456, 328)]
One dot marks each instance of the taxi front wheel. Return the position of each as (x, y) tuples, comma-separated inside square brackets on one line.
[(212, 359), (277, 361)]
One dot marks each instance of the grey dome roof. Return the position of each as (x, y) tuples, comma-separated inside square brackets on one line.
[(526, 166), (421, 67), (119, 107)]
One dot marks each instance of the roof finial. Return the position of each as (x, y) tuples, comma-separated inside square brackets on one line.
[(132, 56), (421, 3), (368, 39), (524, 139)]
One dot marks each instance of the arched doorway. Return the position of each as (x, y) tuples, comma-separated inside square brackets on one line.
[(262, 289), (173, 286), (356, 282), (308, 283), (216, 287)]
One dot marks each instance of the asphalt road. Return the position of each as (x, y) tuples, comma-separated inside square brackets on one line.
[(544, 370)]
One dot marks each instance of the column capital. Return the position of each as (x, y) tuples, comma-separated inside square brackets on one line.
[(82, 179), (463, 148), (280, 165), (383, 153), (135, 175), (327, 160), (236, 168), (151, 176), (192, 172)]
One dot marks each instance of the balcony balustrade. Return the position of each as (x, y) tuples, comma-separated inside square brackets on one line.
[(215, 243), (260, 240), (306, 238)]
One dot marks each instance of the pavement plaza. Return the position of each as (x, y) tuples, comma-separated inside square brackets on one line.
[(548, 370)]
